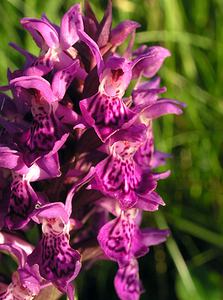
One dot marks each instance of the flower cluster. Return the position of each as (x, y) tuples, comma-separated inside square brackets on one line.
[(77, 153)]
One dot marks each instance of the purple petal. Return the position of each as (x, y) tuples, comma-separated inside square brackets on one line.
[(104, 27), (152, 237), (160, 176), (150, 202), (16, 242), (115, 239), (22, 201), (42, 65), (153, 83), (90, 21), (7, 106), (63, 78), (29, 279), (122, 31), (13, 128), (127, 282), (144, 154), (68, 116), (146, 96), (149, 60), (42, 32), (146, 237), (70, 25), (118, 179), (105, 114), (129, 137), (159, 159), (94, 49), (49, 167), (11, 159), (50, 211), (109, 204), (163, 107), (37, 83), (57, 261), (45, 136)]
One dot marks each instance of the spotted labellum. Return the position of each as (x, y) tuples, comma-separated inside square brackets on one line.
[(77, 155)]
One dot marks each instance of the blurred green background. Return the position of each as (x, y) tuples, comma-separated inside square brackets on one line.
[(190, 265)]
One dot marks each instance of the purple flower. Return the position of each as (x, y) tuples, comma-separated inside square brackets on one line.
[(105, 111), (119, 176), (26, 281), (46, 134), (127, 283), (55, 44), (58, 262), (121, 239), (73, 127), (20, 199)]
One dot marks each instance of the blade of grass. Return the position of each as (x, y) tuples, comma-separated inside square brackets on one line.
[(178, 259)]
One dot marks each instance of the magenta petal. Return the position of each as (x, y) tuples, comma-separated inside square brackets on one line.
[(93, 48), (110, 205), (163, 107), (46, 134), (105, 114), (150, 202), (159, 159), (22, 201), (42, 32), (116, 76), (63, 78), (57, 261), (118, 179), (144, 96), (122, 31), (104, 27), (153, 83), (146, 237), (41, 66), (115, 239), (145, 152), (149, 60), (50, 211), (127, 282), (70, 25), (11, 159), (58, 143), (15, 241), (30, 279), (45, 168), (49, 167), (162, 175), (12, 128), (152, 237), (35, 82), (129, 138), (68, 116)]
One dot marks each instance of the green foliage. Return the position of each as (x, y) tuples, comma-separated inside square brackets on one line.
[(192, 30)]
